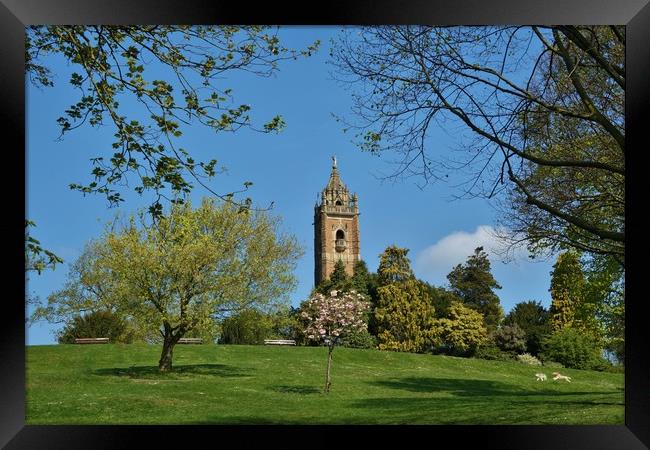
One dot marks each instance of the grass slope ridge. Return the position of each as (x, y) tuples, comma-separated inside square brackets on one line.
[(232, 384)]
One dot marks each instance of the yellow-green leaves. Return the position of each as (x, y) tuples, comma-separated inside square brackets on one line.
[(115, 64), (184, 268), (463, 331), (405, 317)]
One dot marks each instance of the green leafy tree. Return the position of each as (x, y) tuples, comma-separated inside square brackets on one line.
[(97, 324), (569, 305), (245, 327), (405, 317), (511, 339), (283, 322), (442, 299), (338, 274), (88, 289), (463, 331), (534, 320), (605, 292), (362, 280), (190, 266), (394, 266), (338, 280), (573, 349), (474, 284), (186, 66), (366, 283), (147, 83), (359, 339), (544, 104)]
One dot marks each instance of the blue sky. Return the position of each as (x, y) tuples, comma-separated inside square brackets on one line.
[(289, 169)]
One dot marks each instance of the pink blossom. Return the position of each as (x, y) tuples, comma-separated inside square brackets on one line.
[(334, 316)]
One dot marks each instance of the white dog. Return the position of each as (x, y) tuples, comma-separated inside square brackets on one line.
[(557, 376), (540, 377)]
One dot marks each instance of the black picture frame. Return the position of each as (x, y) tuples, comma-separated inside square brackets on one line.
[(16, 14)]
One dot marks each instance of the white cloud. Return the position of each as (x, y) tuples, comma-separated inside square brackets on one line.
[(436, 261)]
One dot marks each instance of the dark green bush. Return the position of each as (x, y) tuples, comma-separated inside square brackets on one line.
[(493, 353), (246, 327), (573, 349), (361, 339), (511, 339), (98, 324)]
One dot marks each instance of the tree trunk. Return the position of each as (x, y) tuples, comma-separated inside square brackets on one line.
[(328, 381), (165, 363)]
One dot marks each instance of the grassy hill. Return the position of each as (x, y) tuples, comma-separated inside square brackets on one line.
[(219, 384)]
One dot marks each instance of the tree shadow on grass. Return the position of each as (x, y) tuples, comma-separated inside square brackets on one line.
[(302, 390), (480, 411), (480, 402), (473, 388), (178, 372)]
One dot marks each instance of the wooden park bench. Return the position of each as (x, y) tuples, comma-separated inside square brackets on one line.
[(279, 342), (91, 341), (190, 341)]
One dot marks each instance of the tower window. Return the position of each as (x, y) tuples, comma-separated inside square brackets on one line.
[(338, 203), (339, 244)]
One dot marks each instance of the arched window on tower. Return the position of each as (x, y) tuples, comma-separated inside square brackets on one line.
[(340, 241), (338, 203)]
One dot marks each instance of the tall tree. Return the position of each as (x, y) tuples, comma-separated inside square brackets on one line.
[(463, 331), (190, 266), (405, 317), (338, 280), (366, 283), (362, 280), (567, 291), (605, 291), (339, 275), (394, 266), (442, 299), (543, 107), (474, 284), (533, 318), (111, 66), (169, 77)]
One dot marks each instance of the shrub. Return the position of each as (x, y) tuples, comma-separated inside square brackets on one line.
[(246, 327), (359, 339), (511, 338), (405, 317), (529, 359), (533, 318), (493, 353), (463, 332), (573, 349), (97, 324)]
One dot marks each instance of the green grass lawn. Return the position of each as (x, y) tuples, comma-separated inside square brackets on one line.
[(219, 384)]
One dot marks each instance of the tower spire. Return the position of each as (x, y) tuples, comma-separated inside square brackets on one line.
[(336, 228)]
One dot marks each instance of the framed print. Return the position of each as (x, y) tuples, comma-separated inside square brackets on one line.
[(112, 105)]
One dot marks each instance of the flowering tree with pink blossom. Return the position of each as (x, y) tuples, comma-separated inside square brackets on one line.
[(329, 318)]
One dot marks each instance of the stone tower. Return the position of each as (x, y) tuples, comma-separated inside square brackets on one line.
[(336, 228)]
